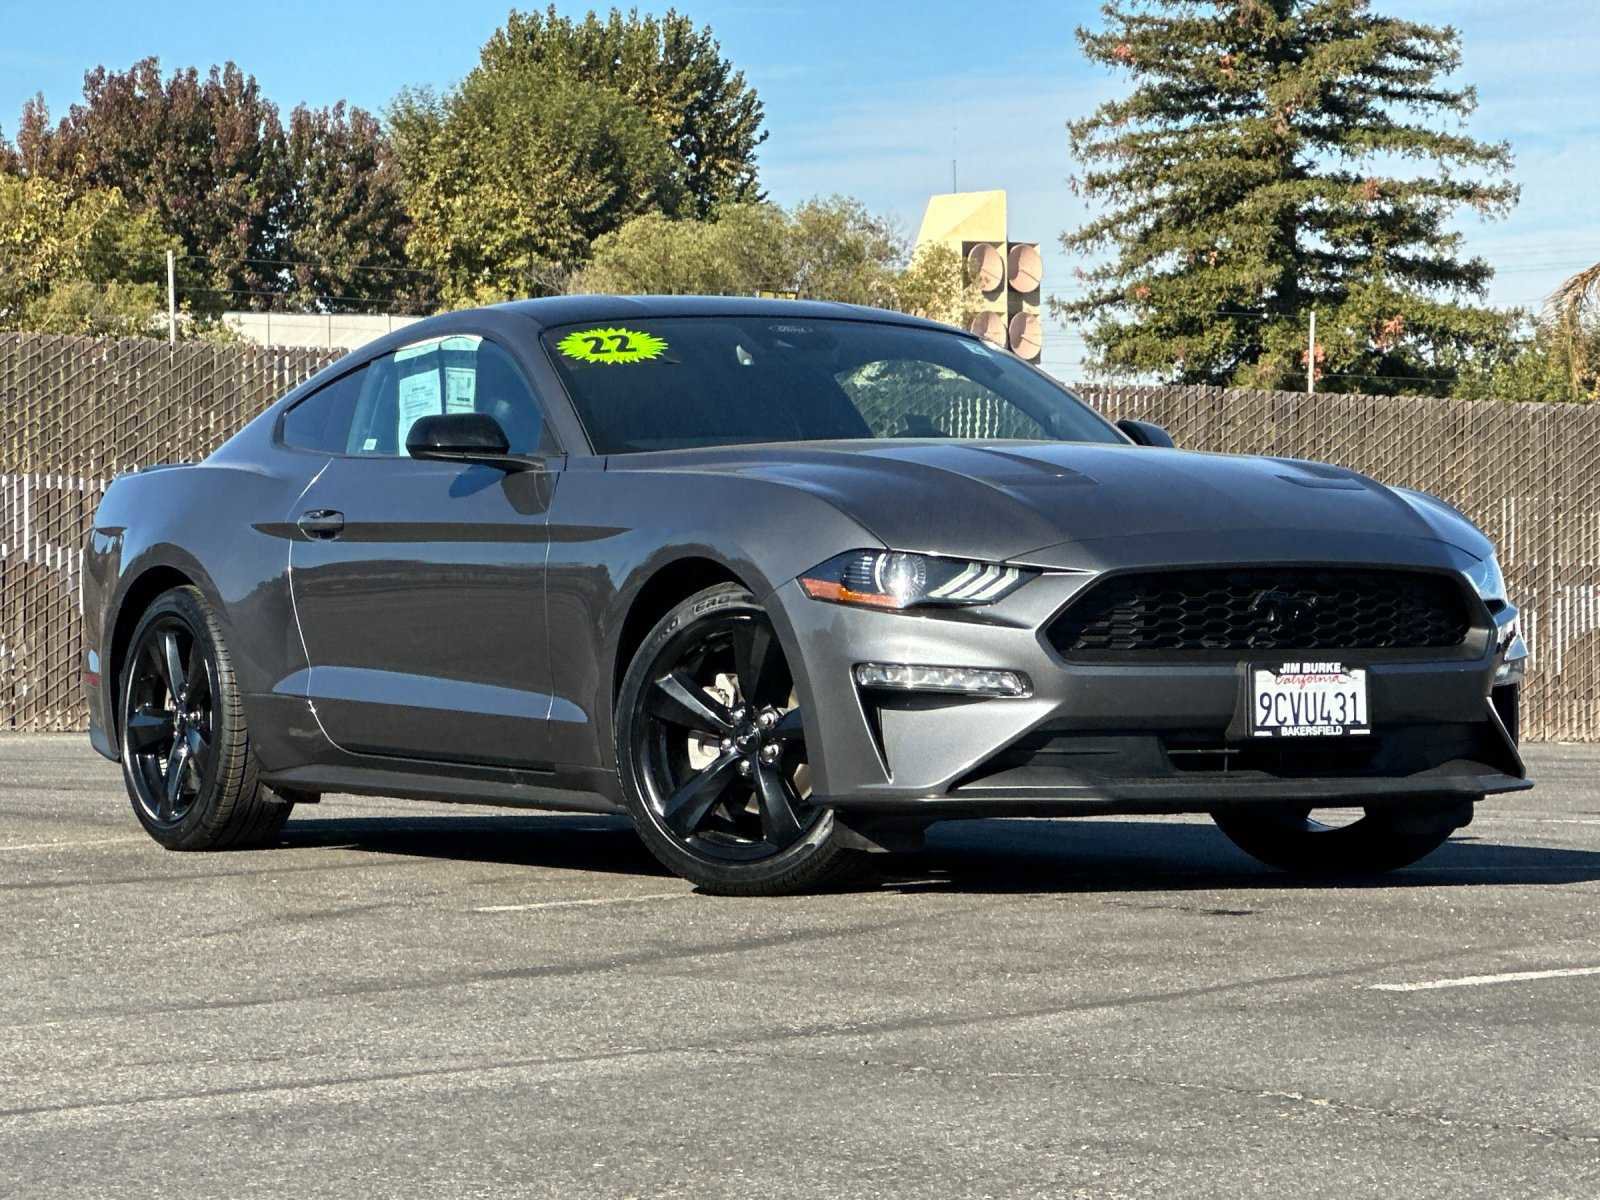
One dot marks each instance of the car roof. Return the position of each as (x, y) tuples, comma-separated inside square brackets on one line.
[(550, 311), (572, 310)]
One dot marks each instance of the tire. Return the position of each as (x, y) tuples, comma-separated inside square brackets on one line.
[(705, 801), (180, 711), (1376, 842)]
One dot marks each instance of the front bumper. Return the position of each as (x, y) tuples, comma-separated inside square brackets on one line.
[(1132, 736)]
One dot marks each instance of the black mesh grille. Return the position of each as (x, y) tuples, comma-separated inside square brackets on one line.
[(1265, 609)]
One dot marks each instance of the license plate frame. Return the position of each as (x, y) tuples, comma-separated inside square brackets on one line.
[(1305, 699)]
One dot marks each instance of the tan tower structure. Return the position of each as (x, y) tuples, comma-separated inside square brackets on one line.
[(1005, 275)]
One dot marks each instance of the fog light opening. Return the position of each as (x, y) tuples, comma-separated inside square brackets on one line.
[(969, 681)]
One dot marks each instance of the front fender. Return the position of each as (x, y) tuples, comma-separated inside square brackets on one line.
[(613, 532)]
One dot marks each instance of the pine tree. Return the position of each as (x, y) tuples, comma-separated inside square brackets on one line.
[(1277, 157)]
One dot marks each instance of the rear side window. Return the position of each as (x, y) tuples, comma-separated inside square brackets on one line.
[(322, 420), (462, 373)]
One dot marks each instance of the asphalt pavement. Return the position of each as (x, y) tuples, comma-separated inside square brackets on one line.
[(410, 999)]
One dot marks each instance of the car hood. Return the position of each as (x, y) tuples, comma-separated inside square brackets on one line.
[(1001, 501)]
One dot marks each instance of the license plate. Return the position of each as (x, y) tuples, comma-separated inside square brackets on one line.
[(1308, 699)]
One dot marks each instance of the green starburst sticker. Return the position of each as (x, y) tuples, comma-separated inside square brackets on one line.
[(612, 345)]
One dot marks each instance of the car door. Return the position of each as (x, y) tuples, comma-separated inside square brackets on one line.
[(419, 586)]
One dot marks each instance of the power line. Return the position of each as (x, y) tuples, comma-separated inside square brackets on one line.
[(315, 264), (259, 292), (1361, 375)]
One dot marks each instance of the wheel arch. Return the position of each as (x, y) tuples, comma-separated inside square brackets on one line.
[(137, 597), (668, 585)]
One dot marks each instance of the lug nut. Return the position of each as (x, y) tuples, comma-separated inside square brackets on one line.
[(744, 766), (739, 715), (727, 745), (767, 719), (770, 753)]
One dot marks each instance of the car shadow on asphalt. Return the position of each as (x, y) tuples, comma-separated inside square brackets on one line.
[(567, 842), (1115, 855), (994, 856)]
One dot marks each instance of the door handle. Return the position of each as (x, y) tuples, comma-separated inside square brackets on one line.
[(321, 523)]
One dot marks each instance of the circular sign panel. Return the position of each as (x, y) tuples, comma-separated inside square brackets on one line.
[(985, 267), (1025, 338), (991, 327), (1024, 267)]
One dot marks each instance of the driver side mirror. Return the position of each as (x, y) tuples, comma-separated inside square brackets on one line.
[(1144, 433), (466, 438)]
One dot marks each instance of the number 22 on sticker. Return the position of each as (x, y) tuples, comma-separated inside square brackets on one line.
[(611, 345)]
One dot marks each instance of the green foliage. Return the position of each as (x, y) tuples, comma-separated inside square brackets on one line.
[(205, 155), (564, 132), (745, 250), (1555, 360), (843, 252), (208, 157), (827, 249), (665, 68), (1274, 157), (64, 261), (344, 217), (934, 285), (512, 178)]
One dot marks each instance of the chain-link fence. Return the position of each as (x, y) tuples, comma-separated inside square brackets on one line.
[(76, 412)]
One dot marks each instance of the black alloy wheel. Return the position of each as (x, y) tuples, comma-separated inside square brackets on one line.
[(187, 761), (169, 721), (711, 741)]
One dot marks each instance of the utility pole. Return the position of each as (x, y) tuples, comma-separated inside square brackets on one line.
[(1311, 357), (172, 299)]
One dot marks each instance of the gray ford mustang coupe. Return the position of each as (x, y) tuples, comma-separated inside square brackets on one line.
[(786, 583)]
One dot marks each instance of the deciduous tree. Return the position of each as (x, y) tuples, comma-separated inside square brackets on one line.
[(672, 72), (261, 216), (345, 223), (563, 132), (65, 260), (510, 180), (826, 249), (204, 154)]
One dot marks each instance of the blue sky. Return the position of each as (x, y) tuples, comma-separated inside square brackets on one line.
[(874, 99)]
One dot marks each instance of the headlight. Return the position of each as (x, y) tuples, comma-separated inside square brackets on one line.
[(891, 579), (1487, 579)]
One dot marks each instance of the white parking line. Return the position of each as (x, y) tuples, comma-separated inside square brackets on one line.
[(66, 845), (1479, 980), (505, 908)]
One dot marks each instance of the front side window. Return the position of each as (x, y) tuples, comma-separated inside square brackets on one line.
[(679, 382), (461, 373)]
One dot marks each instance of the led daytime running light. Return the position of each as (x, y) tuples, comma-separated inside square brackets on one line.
[(971, 681)]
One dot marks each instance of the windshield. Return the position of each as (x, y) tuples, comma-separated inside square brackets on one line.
[(679, 382)]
